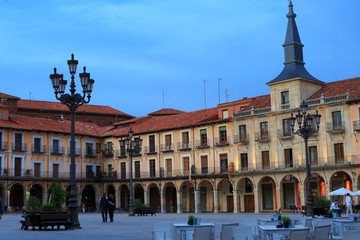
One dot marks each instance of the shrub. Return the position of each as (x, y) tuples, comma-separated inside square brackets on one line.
[(138, 203), (58, 196), (285, 219), (321, 202), (33, 204), (191, 218), (48, 207)]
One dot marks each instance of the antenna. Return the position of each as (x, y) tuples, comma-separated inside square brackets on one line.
[(227, 93)]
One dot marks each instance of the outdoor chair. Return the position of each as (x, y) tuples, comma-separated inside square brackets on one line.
[(298, 234), (202, 232), (161, 231), (242, 233), (322, 232), (227, 231), (351, 235)]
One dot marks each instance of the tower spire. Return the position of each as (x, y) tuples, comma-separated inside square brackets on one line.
[(293, 50)]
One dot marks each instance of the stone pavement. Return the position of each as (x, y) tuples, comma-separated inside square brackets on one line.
[(123, 227)]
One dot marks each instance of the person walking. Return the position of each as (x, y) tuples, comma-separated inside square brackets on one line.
[(111, 206), (103, 204), (348, 204), (1, 209)]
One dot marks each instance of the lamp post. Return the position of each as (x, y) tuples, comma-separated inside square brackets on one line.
[(308, 125), (73, 101), (133, 146)]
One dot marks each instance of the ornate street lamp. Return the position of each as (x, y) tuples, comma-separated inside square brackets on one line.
[(133, 146), (308, 125), (73, 101)]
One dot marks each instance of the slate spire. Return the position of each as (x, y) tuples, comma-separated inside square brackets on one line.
[(293, 49)]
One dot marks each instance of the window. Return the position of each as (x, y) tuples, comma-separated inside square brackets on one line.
[(37, 169), (151, 144), (98, 171), (137, 169), (248, 185), (97, 147), (339, 153), (122, 148), (288, 157), (223, 135), (123, 170), (337, 121), (286, 127), (264, 130), (37, 148), (224, 162), (285, 97), (265, 159), (204, 164), (18, 142), (76, 148), (1, 140), (55, 146), (185, 140), (186, 165), (242, 133), (56, 170), (225, 114), (168, 143), (203, 137), (313, 155), (18, 166), (152, 168), (168, 163), (244, 161), (89, 149), (89, 171)]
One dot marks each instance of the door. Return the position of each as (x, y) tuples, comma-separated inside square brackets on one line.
[(185, 140), (55, 170), (204, 164), (203, 199), (37, 144), (249, 203), (230, 204), (89, 171), (289, 195), (137, 169), (169, 167), (268, 200), (152, 168), (224, 162), (17, 166), (123, 170), (36, 169), (18, 142)]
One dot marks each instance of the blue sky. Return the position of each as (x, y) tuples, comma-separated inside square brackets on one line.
[(135, 49)]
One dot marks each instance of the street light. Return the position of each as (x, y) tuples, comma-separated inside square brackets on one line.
[(73, 101), (133, 146), (308, 125)]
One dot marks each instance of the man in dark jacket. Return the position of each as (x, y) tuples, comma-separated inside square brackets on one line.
[(1, 209), (103, 204)]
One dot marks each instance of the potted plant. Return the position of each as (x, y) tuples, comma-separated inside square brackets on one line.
[(330, 213), (286, 222), (191, 219), (278, 213)]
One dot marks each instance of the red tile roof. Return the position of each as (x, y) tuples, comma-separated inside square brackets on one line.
[(258, 102), (56, 106), (153, 124), (3, 105), (3, 95), (165, 111), (340, 88)]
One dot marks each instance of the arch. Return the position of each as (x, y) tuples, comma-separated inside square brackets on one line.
[(124, 193), (290, 192), (17, 195), (245, 189), (187, 198), (338, 180), (111, 190), (88, 197), (138, 192), (169, 194), (206, 196), (2, 195), (36, 190), (267, 193), (225, 199), (154, 197), (317, 186)]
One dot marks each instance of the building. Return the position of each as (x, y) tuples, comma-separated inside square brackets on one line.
[(238, 157)]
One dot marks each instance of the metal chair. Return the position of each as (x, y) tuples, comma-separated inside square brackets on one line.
[(227, 231), (351, 235), (322, 232), (202, 232), (242, 233), (161, 231), (298, 234)]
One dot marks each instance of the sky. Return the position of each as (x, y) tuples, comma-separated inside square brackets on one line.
[(148, 54)]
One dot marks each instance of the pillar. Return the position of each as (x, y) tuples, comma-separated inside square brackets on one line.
[(178, 201), (162, 201), (279, 197), (236, 201), (197, 201), (256, 200), (146, 198), (216, 205)]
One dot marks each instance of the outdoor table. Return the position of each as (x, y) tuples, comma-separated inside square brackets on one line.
[(266, 230), (179, 227), (266, 221), (341, 225)]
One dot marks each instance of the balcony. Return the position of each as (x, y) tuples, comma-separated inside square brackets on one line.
[(166, 148), (244, 168), (356, 125), (150, 150), (121, 153), (204, 143), (4, 146), (285, 106), (284, 135), (19, 147), (183, 146), (331, 128), (243, 139), (77, 151), (90, 154), (222, 141), (57, 150), (107, 153), (262, 136), (38, 149)]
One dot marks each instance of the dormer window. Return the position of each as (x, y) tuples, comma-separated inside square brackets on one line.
[(285, 97)]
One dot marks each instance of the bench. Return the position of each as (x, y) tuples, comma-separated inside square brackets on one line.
[(46, 219), (144, 211)]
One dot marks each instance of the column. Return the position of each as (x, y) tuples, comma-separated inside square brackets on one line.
[(178, 201), (216, 205), (146, 198), (236, 201), (197, 201), (162, 201), (279, 197), (256, 200), (302, 195)]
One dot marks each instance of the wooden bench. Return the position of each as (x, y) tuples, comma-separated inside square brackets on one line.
[(51, 219), (144, 211)]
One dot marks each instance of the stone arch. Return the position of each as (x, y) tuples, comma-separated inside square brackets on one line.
[(170, 198), (110, 189), (317, 185), (37, 190), (338, 180), (205, 180), (2, 194), (139, 192), (153, 192), (290, 192), (187, 199), (206, 196), (88, 196), (267, 194), (245, 190), (225, 198), (17, 195), (124, 197)]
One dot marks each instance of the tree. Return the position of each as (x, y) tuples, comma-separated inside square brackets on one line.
[(33, 204), (58, 196)]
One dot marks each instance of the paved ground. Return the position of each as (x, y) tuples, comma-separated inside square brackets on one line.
[(123, 227)]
